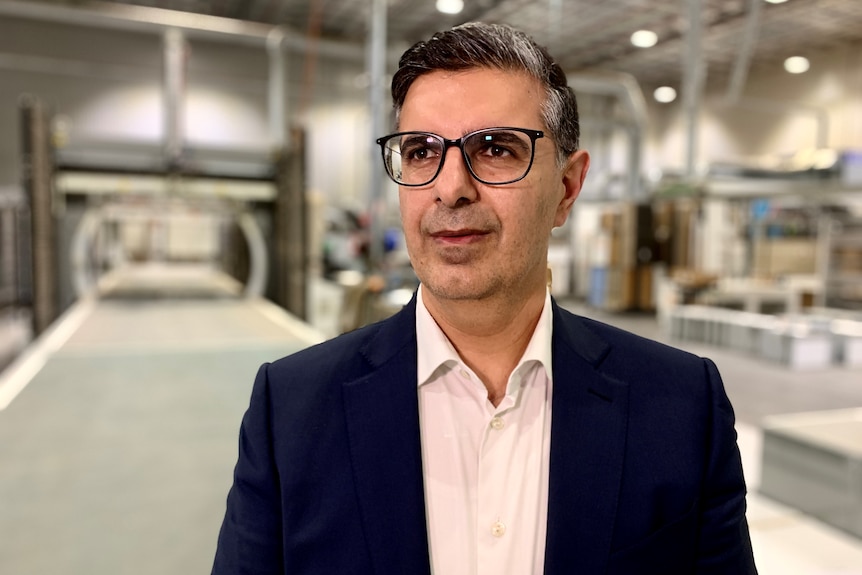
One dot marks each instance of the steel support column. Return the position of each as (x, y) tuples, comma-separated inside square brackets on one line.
[(694, 76), (174, 97), (291, 250), (37, 176), (277, 103), (376, 91)]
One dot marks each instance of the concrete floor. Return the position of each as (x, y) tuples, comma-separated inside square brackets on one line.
[(117, 456)]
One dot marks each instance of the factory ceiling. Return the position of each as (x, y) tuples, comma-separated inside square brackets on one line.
[(753, 35)]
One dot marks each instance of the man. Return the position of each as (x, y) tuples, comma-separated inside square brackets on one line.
[(482, 429)]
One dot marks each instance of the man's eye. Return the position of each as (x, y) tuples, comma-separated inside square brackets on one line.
[(417, 154), (418, 150), (499, 146), (498, 151)]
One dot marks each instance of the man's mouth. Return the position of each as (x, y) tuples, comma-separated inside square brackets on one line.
[(459, 236)]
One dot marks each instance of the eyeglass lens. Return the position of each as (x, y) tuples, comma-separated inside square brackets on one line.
[(493, 156)]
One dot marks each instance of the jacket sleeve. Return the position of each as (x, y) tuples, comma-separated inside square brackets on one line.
[(250, 541), (724, 546)]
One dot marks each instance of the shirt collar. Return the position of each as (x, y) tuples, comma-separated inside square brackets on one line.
[(435, 350)]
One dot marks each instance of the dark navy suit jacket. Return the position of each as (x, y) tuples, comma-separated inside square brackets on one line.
[(645, 474)]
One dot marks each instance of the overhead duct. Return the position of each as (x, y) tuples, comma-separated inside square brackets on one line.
[(625, 89), (743, 58), (739, 73)]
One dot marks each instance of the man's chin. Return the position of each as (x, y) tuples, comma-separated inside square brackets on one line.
[(458, 287), (457, 255)]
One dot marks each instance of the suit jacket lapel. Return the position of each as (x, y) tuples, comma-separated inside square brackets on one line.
[(588, 431), (382, 415)]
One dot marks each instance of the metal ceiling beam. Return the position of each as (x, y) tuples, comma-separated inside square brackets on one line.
[(82, 69), (137, 19), (155, 20)]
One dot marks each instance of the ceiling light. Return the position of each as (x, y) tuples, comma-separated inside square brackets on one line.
[(450, 6), (665, 94), (644, 38), (796, 64), (776, 1)]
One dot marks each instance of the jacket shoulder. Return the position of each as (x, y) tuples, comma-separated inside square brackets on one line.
[(613, 340), (352, 354)]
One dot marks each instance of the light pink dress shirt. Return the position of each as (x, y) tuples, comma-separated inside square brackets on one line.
[(485, 468)]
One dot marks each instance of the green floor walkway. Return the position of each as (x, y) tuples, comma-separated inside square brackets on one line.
[(117, 455)]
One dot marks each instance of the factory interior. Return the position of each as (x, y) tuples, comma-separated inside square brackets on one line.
[(191, 188)]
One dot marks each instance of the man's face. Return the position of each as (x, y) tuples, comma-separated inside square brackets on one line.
[(468, 240)]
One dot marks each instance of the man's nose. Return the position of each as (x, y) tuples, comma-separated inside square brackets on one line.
[(454, 183)]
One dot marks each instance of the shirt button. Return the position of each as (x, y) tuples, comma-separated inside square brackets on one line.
[(498, 529), (464, 374), (497, 423)]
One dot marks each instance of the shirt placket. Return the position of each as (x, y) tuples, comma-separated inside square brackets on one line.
[(492, 528)]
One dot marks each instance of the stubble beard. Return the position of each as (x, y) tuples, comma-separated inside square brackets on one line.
[(456, 282)]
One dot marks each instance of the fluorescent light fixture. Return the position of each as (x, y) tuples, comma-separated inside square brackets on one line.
[(664, 94), (797, 64), (450, 6), (644, 38)]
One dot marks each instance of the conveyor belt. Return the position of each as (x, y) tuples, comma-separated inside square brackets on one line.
[(120, 430)]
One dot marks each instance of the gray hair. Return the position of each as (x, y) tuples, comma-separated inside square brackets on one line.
[(482, 45)]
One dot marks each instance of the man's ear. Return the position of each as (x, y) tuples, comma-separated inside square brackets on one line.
[(574, 174)]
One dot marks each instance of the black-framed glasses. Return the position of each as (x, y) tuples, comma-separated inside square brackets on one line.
[(494, 156)]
